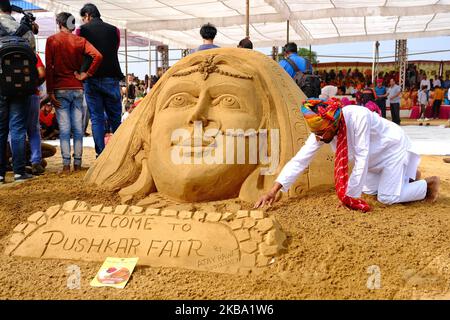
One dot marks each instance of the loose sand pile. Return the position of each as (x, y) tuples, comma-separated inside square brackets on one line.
[(330, 250)]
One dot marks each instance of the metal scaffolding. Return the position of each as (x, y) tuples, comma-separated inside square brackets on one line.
[(275, 53), (401, 60), (164, 50), (185, 52), (376, 61)]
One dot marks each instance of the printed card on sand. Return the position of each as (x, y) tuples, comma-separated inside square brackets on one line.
[(115, 272)]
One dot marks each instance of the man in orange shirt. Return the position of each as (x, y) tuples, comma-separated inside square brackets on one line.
[(65, 52), (438, 98)]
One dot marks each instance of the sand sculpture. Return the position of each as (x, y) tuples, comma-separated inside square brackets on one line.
[(219, 89), (241, 242), (211, 96)]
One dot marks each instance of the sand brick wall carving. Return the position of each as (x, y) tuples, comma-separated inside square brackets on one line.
[(240, 242)]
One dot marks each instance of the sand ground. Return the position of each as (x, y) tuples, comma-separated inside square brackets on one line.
[(330, 249)]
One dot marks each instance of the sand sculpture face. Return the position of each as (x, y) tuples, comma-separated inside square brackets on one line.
[(216, 103), (202, 104)]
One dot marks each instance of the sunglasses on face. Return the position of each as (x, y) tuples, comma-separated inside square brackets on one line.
[(320, 135)]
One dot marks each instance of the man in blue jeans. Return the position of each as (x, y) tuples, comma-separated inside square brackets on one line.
[(64, 56), (13, 116), (33, 125), (102, 90), (13, 112)]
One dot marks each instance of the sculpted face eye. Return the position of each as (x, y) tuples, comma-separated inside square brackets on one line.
[(227, 101), (180, 100)]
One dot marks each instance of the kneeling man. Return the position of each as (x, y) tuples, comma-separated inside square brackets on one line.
[(384, 164)]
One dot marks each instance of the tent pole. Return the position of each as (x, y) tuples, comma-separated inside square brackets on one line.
[(373, 61), (287, 32), (149, 58), (275, 53), (310, 55), (247, 19), (126, 52), (156, 60), (126, 65)]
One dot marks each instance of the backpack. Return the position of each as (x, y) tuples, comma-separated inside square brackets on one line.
[(308, 83), (18, 72)]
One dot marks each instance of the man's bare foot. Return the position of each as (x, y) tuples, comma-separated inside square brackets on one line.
[(433, 188), (418, 175), (446, 160)]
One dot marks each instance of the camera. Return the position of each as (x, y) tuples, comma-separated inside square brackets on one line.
[(27, 20)]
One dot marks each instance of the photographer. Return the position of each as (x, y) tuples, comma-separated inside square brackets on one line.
[(14, 109)]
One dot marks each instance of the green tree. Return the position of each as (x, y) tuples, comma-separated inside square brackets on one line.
[(305, 53)]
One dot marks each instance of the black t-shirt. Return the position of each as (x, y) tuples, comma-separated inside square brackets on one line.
[(131, 91)]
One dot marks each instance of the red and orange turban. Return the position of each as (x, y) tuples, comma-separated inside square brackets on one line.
[(327, 116), (322, 116)]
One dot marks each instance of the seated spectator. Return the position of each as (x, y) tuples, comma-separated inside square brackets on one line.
[(341, 90), (367, 94), (447, 83), (47, 151), (131, 88), (372, 106), (208, 33), (47, 120), (245, 43), (437, 82), (328, 91), (350, 89), (129, 109)]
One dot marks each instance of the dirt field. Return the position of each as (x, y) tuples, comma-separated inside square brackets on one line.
[(330, 250)]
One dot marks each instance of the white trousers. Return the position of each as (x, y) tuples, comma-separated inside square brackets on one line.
[(382, 184)]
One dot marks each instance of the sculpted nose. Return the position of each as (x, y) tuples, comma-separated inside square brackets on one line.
[(200, 112)]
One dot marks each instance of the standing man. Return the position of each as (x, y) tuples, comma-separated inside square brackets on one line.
[(208, 33), (13, 110), (425, 82), (102, 90), (381, 92), (291, 57), (394, 93), (438, 98), (64, 58), (33, 125)]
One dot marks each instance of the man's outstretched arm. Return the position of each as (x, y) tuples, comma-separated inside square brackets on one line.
[(291, 171)]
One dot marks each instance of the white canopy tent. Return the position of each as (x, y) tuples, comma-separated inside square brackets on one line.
[(311, 22)]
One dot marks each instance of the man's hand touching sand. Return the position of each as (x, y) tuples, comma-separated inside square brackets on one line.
[(269, 198)]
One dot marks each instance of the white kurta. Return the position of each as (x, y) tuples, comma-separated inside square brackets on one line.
[(381, 154)]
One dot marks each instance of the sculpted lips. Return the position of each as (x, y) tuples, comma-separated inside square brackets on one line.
[(196, 143), (196, 147)]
